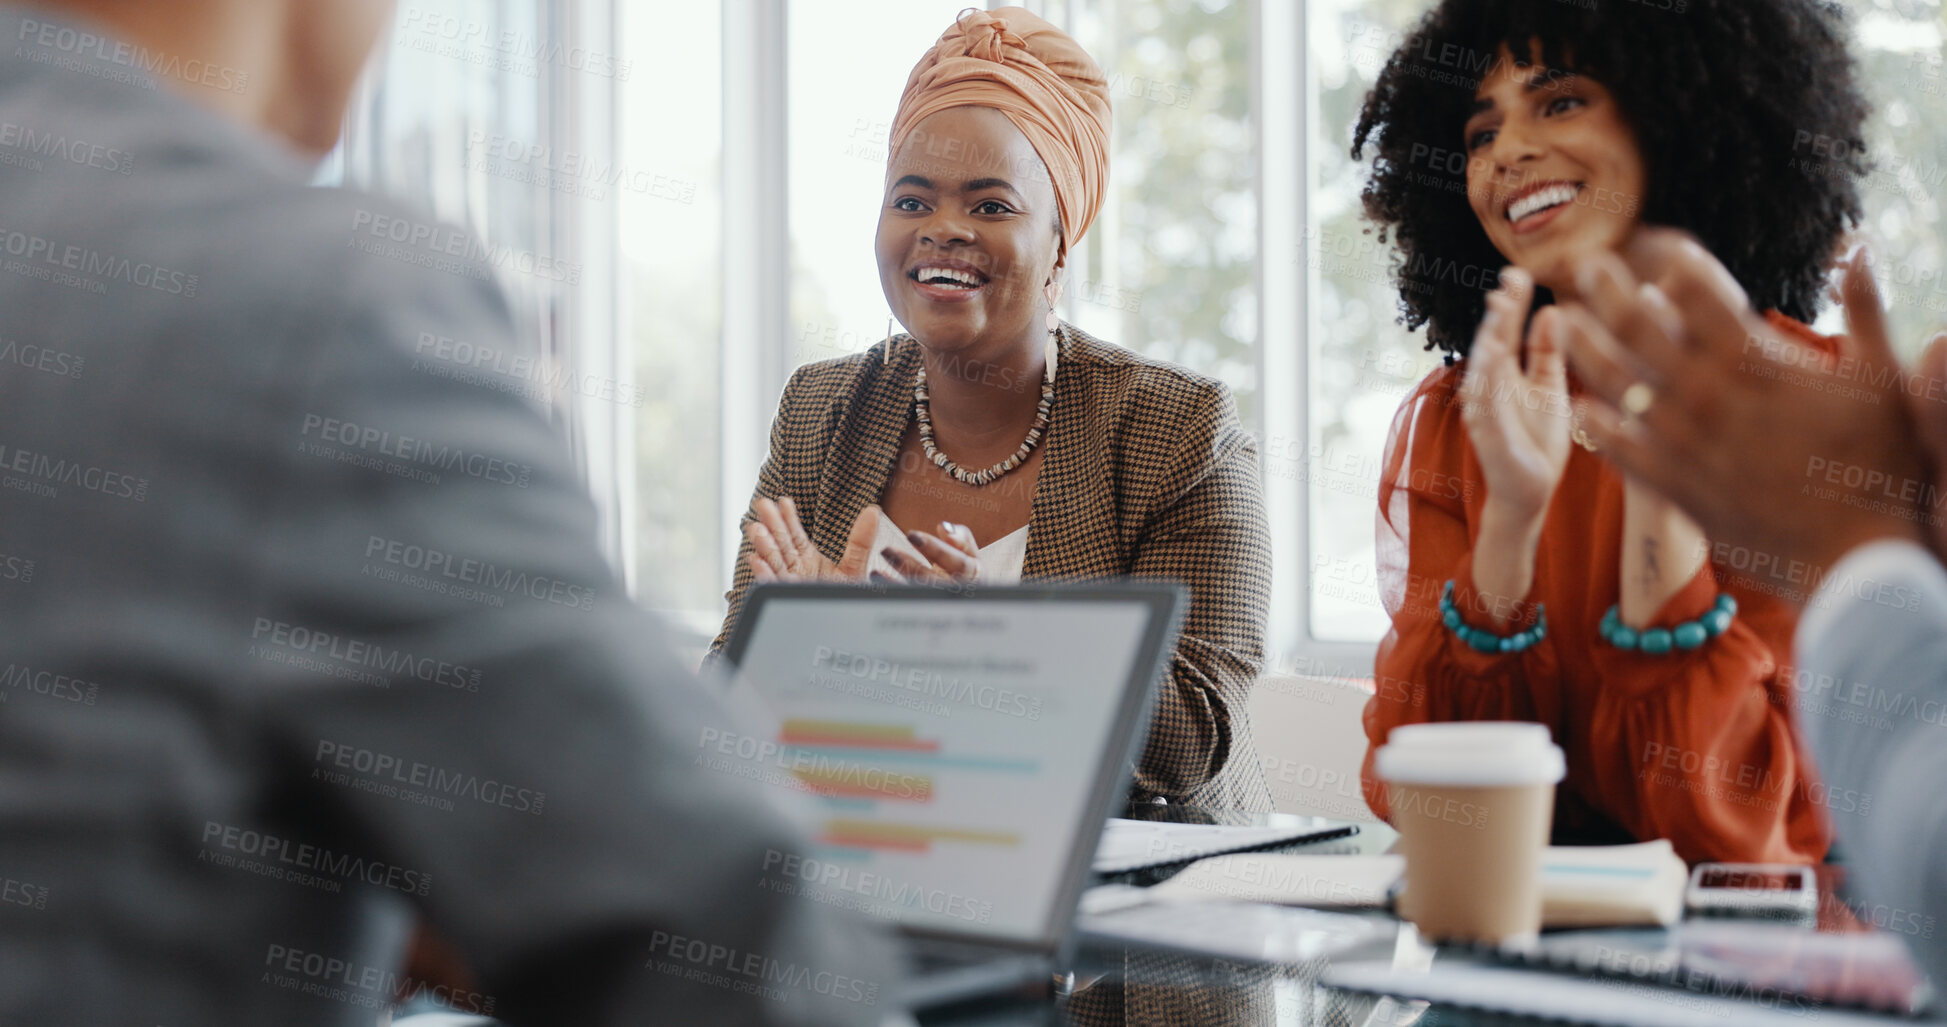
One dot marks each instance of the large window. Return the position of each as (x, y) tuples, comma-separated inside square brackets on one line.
[(669, 126), (424, 115), (496, 115), (716, 168), (840, 109), (1360, 361), (1168, 269)]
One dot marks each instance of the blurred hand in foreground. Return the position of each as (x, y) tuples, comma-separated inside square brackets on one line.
[(1766, 443)]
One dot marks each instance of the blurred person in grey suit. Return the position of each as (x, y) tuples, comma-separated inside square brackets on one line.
[(304, 635), (1824, 478)]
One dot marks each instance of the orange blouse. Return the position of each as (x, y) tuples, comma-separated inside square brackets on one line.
[(1698, 747)]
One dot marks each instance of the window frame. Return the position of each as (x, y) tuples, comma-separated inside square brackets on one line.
[(757, 353), (589, 324)]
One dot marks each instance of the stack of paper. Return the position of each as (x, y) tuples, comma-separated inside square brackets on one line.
[(1581, 886), (1325, 881)]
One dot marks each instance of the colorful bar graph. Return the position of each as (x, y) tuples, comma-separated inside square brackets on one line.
[(935, 759), (869, 834), (851, 841), (850, 735), (851, 781)]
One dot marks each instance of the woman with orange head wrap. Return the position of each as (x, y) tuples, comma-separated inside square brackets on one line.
[(1022, 445), (1045, 85)]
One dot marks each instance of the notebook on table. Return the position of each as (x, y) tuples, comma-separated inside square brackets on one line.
[(1473, 983), (1868, 970)]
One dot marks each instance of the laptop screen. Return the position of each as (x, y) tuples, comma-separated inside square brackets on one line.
[(955, 745)]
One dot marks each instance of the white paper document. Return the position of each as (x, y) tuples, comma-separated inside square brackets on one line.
[(1328, 881), (1581, 886), (1135, 844)]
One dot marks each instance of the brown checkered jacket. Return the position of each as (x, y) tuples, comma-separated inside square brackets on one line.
[(1147, 472)]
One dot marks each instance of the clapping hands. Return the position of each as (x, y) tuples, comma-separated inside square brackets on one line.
[(781, 550), (1516, 411), (1767, 444)]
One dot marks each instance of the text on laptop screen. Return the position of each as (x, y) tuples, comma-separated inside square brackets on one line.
[(952, 746)]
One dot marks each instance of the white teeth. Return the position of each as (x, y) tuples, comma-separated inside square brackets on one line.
[(1535, 202), (964, 278)]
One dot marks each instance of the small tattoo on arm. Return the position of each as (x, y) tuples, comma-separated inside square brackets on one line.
[(1651, 572)]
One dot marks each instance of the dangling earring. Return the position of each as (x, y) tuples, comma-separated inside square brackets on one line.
[(889, 338), (1053, 292)]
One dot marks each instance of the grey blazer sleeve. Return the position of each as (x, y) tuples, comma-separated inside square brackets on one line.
[(594, 854), (1872, 694)]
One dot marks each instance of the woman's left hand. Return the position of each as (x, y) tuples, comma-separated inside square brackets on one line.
[(950, 557)]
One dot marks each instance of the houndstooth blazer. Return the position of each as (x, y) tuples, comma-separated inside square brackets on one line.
[(1147, 473)]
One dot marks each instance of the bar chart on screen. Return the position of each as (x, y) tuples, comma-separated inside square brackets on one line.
[(867, 834), (948, 747), (865, 768)]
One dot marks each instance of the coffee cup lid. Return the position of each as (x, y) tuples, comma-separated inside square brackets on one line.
[(1480, 753)]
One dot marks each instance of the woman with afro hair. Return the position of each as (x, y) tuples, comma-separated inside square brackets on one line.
[(1526, 578)]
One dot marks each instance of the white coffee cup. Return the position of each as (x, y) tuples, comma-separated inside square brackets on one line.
[(1473, 802)]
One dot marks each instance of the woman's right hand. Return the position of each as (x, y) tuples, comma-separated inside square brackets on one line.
[(781, 550), (1517, 418), (1518, 421)]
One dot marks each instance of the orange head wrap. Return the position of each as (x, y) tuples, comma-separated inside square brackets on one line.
[(1044, 83)]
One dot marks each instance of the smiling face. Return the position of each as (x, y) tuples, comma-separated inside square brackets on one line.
[(1553, 168), (968, 234)]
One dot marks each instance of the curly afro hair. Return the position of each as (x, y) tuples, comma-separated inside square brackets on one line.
[(1736, 105)]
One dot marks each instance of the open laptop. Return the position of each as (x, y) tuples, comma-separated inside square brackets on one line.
[(965, 748)]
